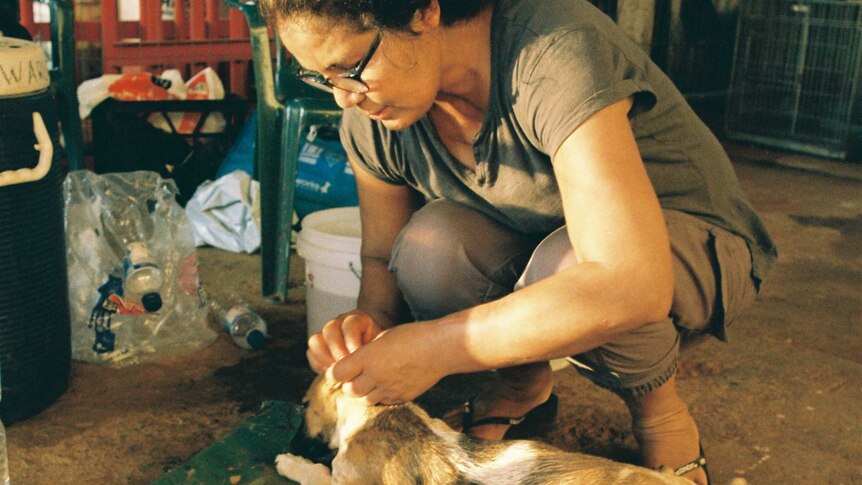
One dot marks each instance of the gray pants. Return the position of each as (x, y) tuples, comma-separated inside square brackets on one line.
[(450, 257)]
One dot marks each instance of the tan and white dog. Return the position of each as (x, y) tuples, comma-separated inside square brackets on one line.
[(402, 444)]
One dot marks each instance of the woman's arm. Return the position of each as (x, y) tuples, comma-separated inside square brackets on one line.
[(384, 210), (623, 279)]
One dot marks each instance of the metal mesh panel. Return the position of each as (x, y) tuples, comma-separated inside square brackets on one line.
[(796, 75), (694, 45)]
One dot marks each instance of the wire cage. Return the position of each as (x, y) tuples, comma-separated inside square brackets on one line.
[(796, 76), (693, 43)]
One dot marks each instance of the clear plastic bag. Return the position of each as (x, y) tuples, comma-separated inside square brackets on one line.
[(105, 214)]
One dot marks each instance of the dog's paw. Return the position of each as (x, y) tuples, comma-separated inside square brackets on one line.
[(300, 470)]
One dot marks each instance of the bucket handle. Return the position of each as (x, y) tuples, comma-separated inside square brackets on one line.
[(46, 154)]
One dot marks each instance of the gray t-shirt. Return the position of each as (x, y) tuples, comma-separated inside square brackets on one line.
[(554, 64)]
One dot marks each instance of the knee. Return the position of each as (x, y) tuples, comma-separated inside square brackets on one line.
[(427, 246), (447, 258), (429, 260), (432, 226)]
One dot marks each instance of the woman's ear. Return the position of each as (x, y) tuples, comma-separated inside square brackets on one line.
[(426, 19)]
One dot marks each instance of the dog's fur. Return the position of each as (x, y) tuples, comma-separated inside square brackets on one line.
[(401, 444)]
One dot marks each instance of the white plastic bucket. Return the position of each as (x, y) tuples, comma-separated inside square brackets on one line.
[(329, 243)]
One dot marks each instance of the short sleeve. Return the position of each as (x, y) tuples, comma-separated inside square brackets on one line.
[(578, 73), (371, 146)]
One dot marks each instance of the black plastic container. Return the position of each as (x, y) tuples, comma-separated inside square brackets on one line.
[(35, 342)]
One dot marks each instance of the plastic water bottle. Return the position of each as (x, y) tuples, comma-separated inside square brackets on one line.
[(245, 327), (143, 276)]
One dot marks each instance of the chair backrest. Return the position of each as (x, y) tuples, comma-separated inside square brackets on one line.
[(275, 83), (285, 107)]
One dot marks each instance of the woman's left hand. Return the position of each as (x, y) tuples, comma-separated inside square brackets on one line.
[(393, 368)]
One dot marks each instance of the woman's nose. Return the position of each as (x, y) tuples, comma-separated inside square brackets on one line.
[(347, 99)]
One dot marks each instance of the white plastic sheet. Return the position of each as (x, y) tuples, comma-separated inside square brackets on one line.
[(225, 213)]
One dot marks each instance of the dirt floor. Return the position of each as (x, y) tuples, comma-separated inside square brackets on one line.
[(780, 403)]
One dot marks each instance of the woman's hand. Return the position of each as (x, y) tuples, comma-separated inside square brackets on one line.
[(396, 367), (339, 338)]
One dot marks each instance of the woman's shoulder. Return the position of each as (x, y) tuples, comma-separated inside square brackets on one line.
[(529, 33), (550, 18)]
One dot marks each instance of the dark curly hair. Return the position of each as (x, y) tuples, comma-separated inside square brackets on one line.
[(393, 15)]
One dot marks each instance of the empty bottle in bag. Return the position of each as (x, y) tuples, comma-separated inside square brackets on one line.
[(143, 276), (245, 327)]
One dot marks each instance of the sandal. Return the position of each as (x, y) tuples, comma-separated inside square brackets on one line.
[(699, 462), (536, 421)]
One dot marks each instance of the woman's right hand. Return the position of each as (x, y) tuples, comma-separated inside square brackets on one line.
[(384, 210), (340, 337)]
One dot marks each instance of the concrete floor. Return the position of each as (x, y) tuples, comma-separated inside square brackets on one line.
[(778, 404)]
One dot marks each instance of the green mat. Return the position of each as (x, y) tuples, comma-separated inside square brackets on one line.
[(246, 455)]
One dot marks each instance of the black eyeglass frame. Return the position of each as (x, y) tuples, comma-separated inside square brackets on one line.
[(355, 84)]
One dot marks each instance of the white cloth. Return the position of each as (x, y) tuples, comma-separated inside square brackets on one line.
[(225, 213)]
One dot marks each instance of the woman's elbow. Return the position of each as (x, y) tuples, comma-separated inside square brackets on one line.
[(657, 297)]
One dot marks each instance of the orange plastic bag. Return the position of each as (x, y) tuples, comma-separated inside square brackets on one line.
[(148, 87), (143, 87)]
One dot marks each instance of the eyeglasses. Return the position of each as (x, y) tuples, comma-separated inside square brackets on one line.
[(348, 81)]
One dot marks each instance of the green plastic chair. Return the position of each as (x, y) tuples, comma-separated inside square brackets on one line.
[(63, 82), (286, 107)]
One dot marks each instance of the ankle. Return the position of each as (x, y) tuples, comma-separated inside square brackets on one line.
[(671, 440), (666, 431), (527, 385), (516, 391)]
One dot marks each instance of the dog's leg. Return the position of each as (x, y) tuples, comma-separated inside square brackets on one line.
[(301, 470)]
